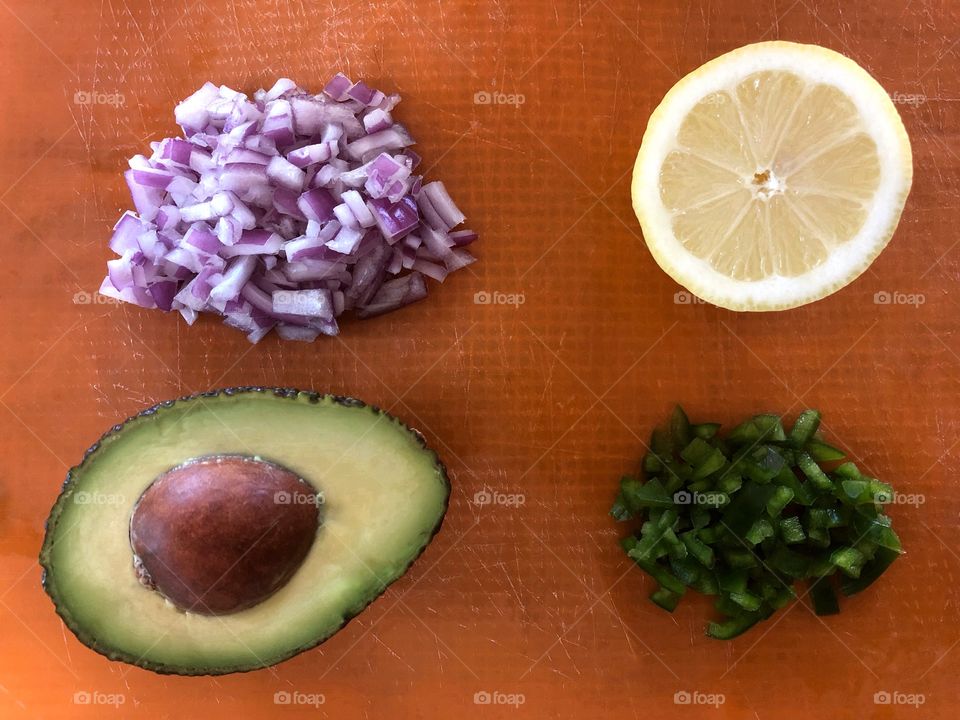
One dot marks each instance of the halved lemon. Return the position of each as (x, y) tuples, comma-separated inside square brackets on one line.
[(772, 176)]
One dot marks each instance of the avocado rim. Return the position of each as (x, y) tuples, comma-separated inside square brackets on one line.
[(50, 526)]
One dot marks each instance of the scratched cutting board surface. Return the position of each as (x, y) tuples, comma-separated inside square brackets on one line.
[(547, 401)]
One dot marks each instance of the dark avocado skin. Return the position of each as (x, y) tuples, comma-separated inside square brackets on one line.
[(291, 393)]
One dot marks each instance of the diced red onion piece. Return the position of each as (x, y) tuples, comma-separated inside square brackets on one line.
[(437, 272), (345, 216), (377, 120), (394, 219), (296, 333), (125, 233), (361, 92), (393, 138), (309, 154), (445, 207), (254, 242), (311, 247), (286, 174), (280, 87), (395, 294), (346, 240), (317, 204), (191, 114), (462, 238), (309, 269), (236, 275), (308, 303), (338, 87)]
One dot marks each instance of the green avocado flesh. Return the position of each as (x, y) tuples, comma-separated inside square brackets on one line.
[(385, 494)]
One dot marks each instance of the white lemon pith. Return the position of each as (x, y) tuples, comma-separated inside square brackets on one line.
[(771, 176)]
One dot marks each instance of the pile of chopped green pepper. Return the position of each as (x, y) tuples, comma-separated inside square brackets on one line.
[(747, 516)]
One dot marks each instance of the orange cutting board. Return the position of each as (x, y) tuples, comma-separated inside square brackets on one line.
[(531, 112)]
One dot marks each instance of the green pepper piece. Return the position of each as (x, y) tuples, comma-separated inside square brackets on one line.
[(882, 492), (746, 600), (856, 492), (725, 606), (704, 458), (686, 569), (848, 471), (674, 479), (849, 560), (763, 464), (876, 529), (818, 537), (804, 428), (738, 558), (667, 599), (760, 531), (780, 498), (729, 482), (813, 472), (746, 506), (667, 517), (661, 575), (710, 534), (652, 465), (869, 572), (825, 518), (672, 543), (733, 626), (679, 428), (620, 511), (706, 584), (660, 444), (791, 530), (639, 495), (757, 428), (823, 596), (702, 552), (705, 431), (788, 478), (699, 517), (790, 563), (646, 547), (821, 452), (731, 581)]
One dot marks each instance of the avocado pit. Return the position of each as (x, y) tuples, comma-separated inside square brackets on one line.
[(220, 534)]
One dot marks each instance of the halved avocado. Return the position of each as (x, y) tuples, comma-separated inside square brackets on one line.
[(202, 488)]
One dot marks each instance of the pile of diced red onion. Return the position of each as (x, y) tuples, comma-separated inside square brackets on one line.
[(284, 212)]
